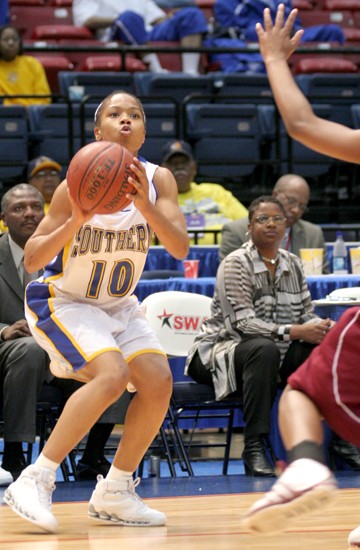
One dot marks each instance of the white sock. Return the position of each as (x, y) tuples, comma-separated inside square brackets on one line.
[(116, 474), (190, 63), (46, 462), (154, 64)]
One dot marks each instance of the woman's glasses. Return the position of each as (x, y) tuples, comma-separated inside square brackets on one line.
[(277, 220)]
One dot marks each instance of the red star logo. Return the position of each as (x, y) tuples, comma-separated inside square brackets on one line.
[(165, 318)]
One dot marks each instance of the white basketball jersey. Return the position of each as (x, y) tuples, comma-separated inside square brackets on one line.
[(106, 257)]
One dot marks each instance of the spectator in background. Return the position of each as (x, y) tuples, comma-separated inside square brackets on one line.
[(20, 74), (242, 15), (4, 12), (262, 326), (23, 363), (294, 194), (44, 173), (143, 21), (205, 205)]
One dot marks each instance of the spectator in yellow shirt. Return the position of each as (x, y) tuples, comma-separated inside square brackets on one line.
[(44, 173), (20, 74), (205, 205)]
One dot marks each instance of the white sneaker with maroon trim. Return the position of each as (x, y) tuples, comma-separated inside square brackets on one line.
[(354, 538), (304, 487)]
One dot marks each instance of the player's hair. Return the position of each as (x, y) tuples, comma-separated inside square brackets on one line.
[(19, 187), (264, 199), (100, 108)]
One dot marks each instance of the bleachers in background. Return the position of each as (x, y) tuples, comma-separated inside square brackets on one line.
[(98, 84), (59, 130), (175, 86), (26, 18), (162, 125), (111, 62), (86, 60), (288, 154), (254, 87), (355, 112), (322, 64), (14, 137), (343, 18), (339, 90), (53, 64), (226, 139), (53, 21)]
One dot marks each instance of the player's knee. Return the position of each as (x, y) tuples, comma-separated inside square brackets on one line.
[(161, 384), (114, 383)]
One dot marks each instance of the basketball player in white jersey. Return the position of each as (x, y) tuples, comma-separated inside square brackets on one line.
[(84, 314)]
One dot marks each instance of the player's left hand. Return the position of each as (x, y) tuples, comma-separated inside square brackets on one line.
[(141, 184)]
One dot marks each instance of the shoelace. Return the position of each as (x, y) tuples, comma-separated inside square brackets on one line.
[(131, 490), (45, 490)]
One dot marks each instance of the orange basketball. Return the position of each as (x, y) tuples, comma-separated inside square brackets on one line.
[(97, 177)]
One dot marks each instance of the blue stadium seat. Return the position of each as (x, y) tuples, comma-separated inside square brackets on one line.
[(172, 85), (162, 125), (355, 113), (13, 141), (252, 88), (58, 130), (289, 154), (340, 90), (226, 139), (96, 83)]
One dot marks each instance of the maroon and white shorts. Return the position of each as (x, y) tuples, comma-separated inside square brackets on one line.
[(330, 377)]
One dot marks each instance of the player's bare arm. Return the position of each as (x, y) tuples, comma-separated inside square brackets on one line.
[(165, 217), (55, 230), (324, 136)]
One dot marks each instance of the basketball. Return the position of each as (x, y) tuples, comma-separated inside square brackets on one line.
[(97, 177)]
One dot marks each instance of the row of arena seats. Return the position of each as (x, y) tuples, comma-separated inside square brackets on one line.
[(27, 15), (45, 23), (234, 136), (81, 60), (341, 88)]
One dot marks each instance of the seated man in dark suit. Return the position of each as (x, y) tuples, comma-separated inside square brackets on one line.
[(23, 364), (294, 193)]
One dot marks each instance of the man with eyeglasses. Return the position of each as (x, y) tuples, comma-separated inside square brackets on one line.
[(294, 193)]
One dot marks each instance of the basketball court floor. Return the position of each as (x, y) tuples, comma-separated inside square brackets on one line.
[(203, 513)]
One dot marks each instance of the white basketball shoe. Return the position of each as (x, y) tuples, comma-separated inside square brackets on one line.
[(116, 501), (304, 487), (30, 496)]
